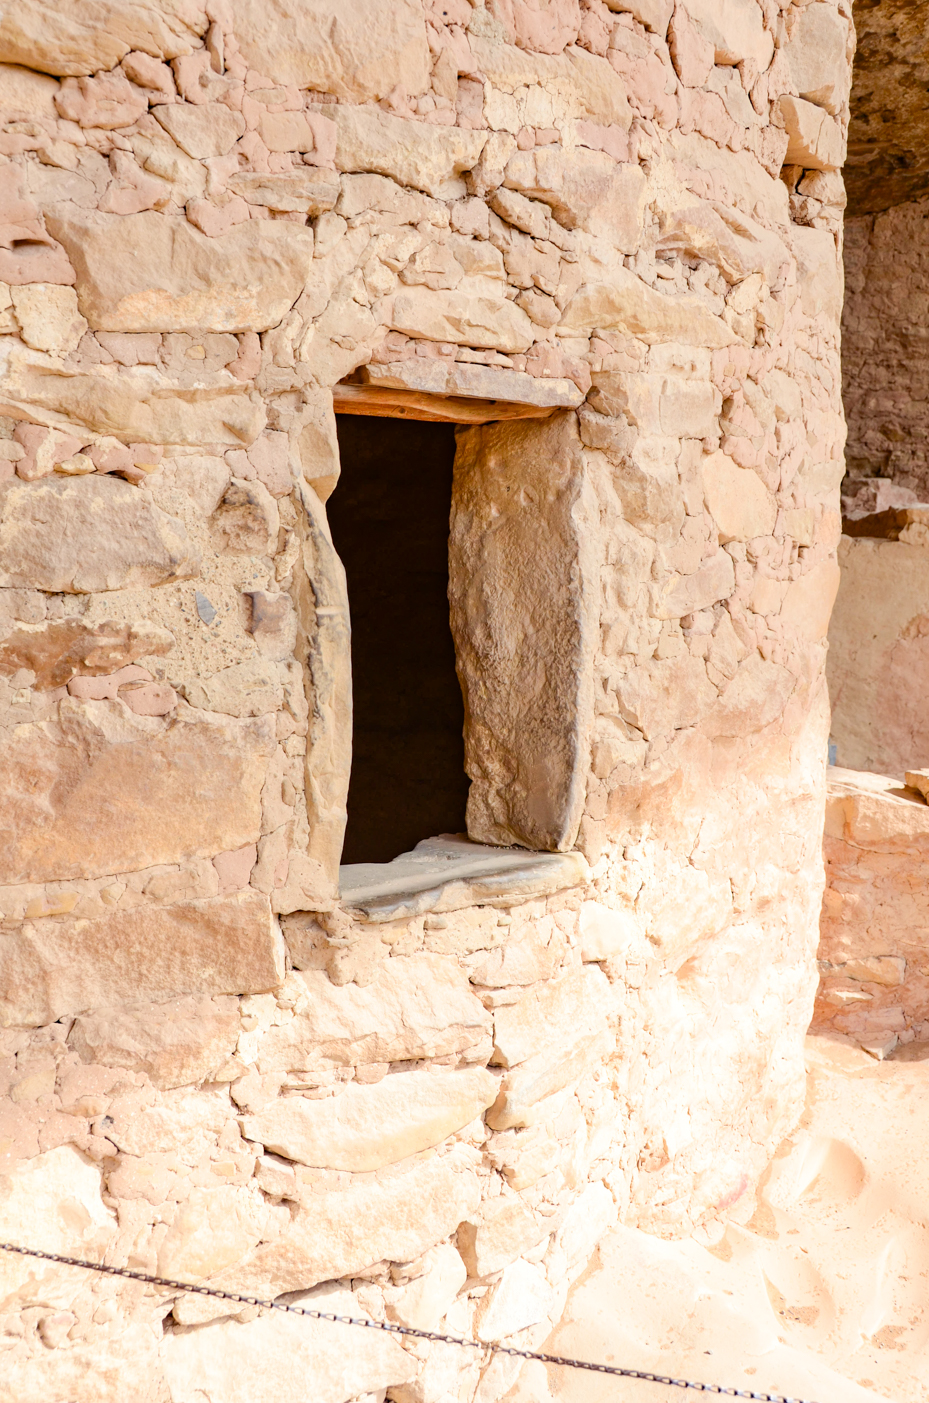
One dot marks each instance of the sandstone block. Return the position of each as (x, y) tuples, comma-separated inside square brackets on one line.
[(754, 698), (156, 272), (418, 1006), (53, 967), (26, 96), (737, 500), (663, 694), (53, 1201), (501, 1232), (808, 602), (605, 932), (627, 304), (671, 405), (103, 790), (141, 405), (212, 1230), (489, 322), (86, 534), (585, 190), (737, 245), (359, 52), (427, 1298), (819, 273), (201, 132), (552, 1011), (585, 1224), (546, 1073), (688, 594), (367, 1127), (521, 1298), (415, 154), (310, 190), (816, 56), (815, 139), (245, 689), (735, 28), (57, 650), (87, 38), (176, 1043), (521, 570), (395, 1215), (247, 520), (48, 317), (284, 1356)]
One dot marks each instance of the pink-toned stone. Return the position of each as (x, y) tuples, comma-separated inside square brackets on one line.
[(234, 868)]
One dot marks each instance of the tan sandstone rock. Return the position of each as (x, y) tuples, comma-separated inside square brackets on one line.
[(359, 52), (368, 1127), (156, 272), (95, 34), (222, 946), (737, 499), (628, 304), (103, 790), (417, 1006), (455, 316), (81, 535), (394, 1215), (176, 1043), (279, 1356), (422, 156)]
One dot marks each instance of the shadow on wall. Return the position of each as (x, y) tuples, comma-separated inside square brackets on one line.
[(389, 518)]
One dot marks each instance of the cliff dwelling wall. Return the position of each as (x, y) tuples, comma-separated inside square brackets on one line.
[(603, 242)]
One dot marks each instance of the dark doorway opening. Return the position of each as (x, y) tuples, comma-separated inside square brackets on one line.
[(389, 518)]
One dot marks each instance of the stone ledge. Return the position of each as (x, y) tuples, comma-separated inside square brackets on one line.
[(442, 377), (449, 873)]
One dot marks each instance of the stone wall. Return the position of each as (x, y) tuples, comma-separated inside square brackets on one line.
[(879, 651), (212, 1065), (874, 983), (885, 358)]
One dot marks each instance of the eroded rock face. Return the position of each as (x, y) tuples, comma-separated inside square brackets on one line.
[(77, 538), (619, 220)]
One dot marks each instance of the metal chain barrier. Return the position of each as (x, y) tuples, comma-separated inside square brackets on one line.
[(391, 1329)]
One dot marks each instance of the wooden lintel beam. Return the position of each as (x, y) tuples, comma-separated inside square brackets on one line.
[(438, 409)]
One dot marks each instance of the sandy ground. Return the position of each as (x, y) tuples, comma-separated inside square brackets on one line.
[(824, 1296)]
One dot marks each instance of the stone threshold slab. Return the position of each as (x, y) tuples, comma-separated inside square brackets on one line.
[(450, 872)]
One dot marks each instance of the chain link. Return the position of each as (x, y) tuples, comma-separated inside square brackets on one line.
[(392, 1329)]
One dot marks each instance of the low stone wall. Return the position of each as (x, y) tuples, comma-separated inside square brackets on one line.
[(874, 944)]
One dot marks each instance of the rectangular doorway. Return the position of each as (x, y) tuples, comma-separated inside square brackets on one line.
[(389, 517)]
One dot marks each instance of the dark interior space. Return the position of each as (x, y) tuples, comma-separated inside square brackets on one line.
[(389, 518)]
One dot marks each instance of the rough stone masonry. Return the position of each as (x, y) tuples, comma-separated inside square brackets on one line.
[(625, 213)]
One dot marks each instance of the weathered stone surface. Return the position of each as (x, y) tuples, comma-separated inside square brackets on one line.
[(585, 189), (889, 121), (521, 589), (437, 377), (815, 139), (394, 1215), (88, 534), (212, 1230), (310, 190), (102, 790), (245, 689), (816, 56), (737, 500), (282, 1356), (627, 304), (587, 85), (358, 52), (504, 1229), (422, 156), (737, 245), (819, 273), (25, 95), (735, 28), (52, 967), (686, 594), (454, 316), (175, 1044), (552, 1011), (521, 1298), (418, 1006), (59, 650), (96, 34), (544, 1074), (876, 674), (48, 317), (156, 272), (204, 131), (808, 602), (368, 1127)]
